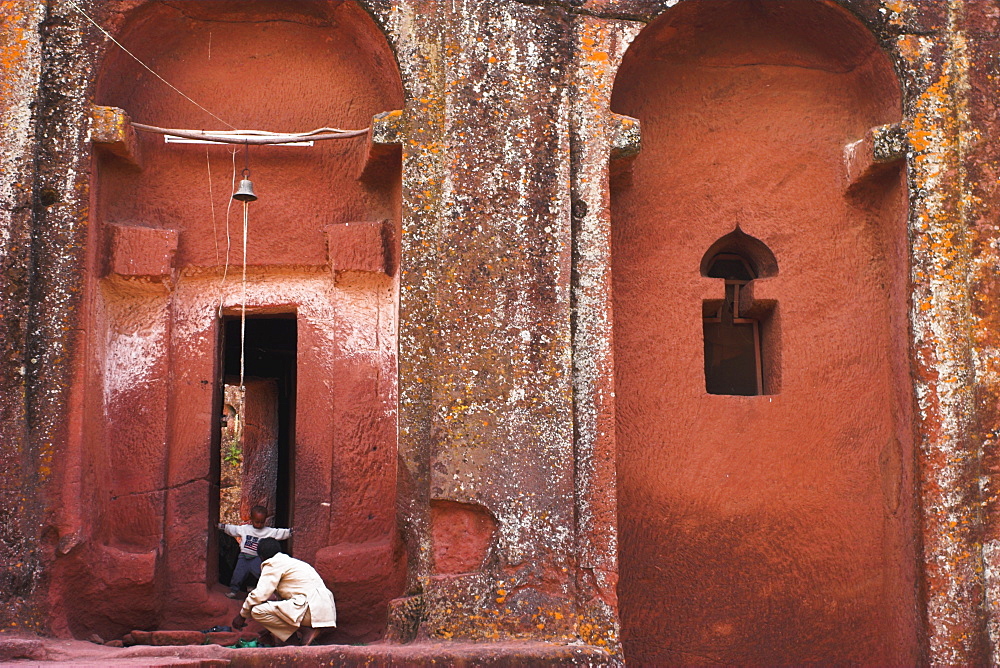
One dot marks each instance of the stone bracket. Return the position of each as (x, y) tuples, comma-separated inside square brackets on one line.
[(384, 142), (881, 148), (111, 130), (626, 137), (361, 246), (141, 252)]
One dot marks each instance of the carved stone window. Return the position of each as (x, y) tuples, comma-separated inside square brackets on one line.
[(740, 333), (732, 342)]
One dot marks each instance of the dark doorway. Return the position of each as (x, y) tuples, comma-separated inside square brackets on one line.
[(256, 453)]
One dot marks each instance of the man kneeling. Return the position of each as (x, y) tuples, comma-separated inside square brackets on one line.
[(305, 600)]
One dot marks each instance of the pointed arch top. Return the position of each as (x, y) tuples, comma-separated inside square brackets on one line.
[(762, 262)]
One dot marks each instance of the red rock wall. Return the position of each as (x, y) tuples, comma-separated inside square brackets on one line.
[(506, 345), (776, 528)]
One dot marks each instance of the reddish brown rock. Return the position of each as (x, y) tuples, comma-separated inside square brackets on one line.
[(363, 577), (260, 446), (224, 638), (361, 246), (462, 534), (164, 638), (141, 251), (142, 637), (12, 649)]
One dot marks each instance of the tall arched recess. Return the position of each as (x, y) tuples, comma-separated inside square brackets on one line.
[(164, 303), (776, 528)]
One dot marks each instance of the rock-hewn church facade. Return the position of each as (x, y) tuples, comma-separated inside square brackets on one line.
[(669, 329)]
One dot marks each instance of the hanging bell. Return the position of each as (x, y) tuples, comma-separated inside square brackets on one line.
[(245, 192)]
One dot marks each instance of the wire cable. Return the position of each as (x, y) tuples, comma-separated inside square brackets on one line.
[(243, 307), (211, 200), (136, 59), (225, 271), (253, 137)]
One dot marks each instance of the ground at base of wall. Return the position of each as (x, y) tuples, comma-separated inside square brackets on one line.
[(31, 650)]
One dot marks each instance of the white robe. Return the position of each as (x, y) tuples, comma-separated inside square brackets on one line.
[(301, 589)]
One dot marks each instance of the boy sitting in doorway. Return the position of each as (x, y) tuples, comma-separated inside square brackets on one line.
[(250, 535)]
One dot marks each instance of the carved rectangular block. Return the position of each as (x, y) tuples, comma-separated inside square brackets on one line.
[(141, 251), (626, 137), (384, 142), (111, 129), (361, 246), (880, 148)]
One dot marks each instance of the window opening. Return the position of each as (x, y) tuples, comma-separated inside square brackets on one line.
[(256, 453), (732, 341)]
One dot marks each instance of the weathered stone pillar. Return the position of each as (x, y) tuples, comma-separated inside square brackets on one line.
[(20, 500), (980, 28), (486, 360), (932, 51), (59, 268), (597, 137)]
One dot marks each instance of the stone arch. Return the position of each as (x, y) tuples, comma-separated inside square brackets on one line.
[(763, 529), (756, 252), (322, 248)]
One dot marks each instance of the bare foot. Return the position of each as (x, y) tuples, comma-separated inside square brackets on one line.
[(309, 636)]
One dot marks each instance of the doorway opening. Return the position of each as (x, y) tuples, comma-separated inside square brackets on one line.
[(256, 446)]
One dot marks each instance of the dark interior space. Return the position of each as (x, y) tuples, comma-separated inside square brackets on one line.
[(269, 362), (732, 342)]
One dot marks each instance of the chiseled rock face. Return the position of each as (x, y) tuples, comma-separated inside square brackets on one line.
[(782, 518), (164, 638), (13, 649), (498, 358)]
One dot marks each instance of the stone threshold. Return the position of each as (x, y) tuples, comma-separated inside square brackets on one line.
[(51, 652)]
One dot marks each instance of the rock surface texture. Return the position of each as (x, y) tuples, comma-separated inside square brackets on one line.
[(489, 421)]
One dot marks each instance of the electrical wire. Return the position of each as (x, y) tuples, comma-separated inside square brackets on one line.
[(243, 307), (147, 67), (253, 137), (225, 271), (211, 200)]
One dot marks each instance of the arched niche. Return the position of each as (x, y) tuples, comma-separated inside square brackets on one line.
[(775, 528), (761, 260), (322, 257), (278, 66)]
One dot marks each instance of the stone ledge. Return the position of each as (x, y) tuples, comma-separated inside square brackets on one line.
[(15, 648), (495, 655), (879, 149), (626, 137), (384, 143)]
